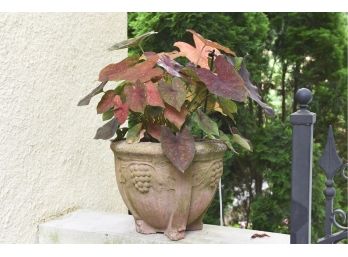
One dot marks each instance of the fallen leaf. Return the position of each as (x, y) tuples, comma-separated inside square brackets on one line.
[(136, 96), (227, 83), (120, 110), (173, 93), (135, 41), (86, 100), (107, 131), (106, 102), (175, 117), (179, 148), (253, 90), (153, 96), (259, 235)]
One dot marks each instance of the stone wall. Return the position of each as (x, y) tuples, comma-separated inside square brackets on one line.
[(49, 162)]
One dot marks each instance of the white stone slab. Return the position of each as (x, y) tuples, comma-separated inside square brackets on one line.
[(84, 226)]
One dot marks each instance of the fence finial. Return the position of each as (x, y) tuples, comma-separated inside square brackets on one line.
[(303, 97), (301, 178)]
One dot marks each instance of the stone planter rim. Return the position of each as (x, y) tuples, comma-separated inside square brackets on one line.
[(153, 148)]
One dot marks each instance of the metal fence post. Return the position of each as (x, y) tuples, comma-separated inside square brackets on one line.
[(301, 176)]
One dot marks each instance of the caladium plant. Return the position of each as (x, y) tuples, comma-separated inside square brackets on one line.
[(165, 100)]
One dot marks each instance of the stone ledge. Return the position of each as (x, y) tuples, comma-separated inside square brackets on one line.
[(91, 227)]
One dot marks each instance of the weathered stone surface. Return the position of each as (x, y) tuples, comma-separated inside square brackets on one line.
[(84, 226), (162, 198), (49, 161)]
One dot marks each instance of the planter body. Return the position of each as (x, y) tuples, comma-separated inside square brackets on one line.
[(160, 197)]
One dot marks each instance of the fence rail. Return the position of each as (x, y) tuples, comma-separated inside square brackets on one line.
[(301, 177)]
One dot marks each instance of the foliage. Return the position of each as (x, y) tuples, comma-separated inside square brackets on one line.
[(164, 95), (283, 51)]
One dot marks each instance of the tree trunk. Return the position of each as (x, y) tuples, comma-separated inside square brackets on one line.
[(258, 183), (251, 107), (249, 201), (296, 75), (260, 118), (283, 92)]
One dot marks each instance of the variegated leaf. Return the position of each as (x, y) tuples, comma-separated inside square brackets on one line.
[(179, 149)]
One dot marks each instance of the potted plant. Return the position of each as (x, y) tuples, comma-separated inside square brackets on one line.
[(169, 155)]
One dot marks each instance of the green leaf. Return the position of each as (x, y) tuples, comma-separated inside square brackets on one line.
[(228, 107), (205, 123), (135, 133), (108, 114), (237, 62), (227, 140), (135, 41), (179, 149), (243, 142), (119, 88)]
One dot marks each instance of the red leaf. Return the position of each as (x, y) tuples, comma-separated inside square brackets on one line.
[(175, 117), (117, 68), (136, 96), (227, 83), (171, 66), (121, 110), (153, 96), (143, 71), (106, 101), (173, 93), (198, 54), (211, 43), (254, 91), (154, 130), (179, 148)]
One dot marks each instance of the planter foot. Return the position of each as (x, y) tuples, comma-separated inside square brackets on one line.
[(196, 225), (175, 235), (143, 228)]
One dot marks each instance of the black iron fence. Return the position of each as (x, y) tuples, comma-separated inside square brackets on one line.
[(301, 182)]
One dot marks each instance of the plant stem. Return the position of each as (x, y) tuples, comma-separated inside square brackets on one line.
[(206, 101), (211, 55), (211, 66)]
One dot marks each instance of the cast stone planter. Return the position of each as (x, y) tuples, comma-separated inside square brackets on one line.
[(160, 197)]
